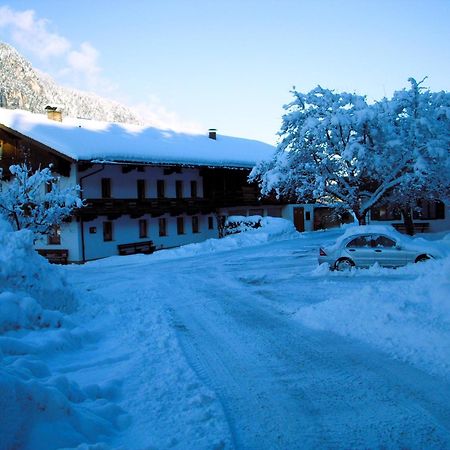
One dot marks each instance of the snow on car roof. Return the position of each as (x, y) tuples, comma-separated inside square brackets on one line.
[(371, 229), (88, 140)]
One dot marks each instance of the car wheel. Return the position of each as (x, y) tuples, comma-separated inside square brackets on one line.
[(423, 258), (344, 264)]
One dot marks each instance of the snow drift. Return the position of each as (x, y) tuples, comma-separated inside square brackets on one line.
[(40, 410), (405, 311), (23, 269)]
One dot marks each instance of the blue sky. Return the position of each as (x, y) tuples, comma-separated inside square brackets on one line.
[(192, 65)]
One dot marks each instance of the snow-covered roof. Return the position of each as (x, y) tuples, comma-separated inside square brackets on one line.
[(90, 140)]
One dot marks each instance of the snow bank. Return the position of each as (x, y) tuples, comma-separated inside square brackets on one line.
[(23, 269), (41, 410), (405, 312), (271, 229)]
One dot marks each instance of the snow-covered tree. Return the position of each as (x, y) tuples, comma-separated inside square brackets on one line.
[(417, 124), (35, 200), (328, 152), (337, 148)]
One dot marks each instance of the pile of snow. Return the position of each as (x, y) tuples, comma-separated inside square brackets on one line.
[(271, 229), (39, 409), (405, 311), (23, 269)]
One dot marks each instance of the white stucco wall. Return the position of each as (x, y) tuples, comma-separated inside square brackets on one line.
[(124, 185), (126, 230)]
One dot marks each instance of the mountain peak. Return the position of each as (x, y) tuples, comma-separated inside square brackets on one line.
[(23, 87)]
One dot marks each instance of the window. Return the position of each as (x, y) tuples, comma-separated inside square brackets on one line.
[(360, 241), (195, 224), (383, 241), (54, 237), (160, 188), (142, 228), (107, 231), (385, 212), (180, 225), (162, 227), (141, 189), (307, 215), (429, 210), (193, 189), (179, 189), (106, 187), (210, 223)]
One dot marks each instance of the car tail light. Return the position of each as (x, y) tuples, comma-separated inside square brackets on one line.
[(322, 252)]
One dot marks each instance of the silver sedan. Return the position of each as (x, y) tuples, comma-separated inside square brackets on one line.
[(366, 249)]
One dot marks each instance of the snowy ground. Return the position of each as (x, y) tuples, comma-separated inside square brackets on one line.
[(245, 342)]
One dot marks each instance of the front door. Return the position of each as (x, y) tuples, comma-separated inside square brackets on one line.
[(299, 219)]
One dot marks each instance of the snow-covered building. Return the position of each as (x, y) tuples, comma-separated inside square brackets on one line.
[(140, 184)]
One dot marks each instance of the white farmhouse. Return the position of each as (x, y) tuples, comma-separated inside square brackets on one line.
[(144, 188)]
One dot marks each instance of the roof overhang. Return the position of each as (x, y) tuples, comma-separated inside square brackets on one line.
[(19, 135)]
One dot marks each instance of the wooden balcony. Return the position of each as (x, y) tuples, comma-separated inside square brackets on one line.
[(156, 207)]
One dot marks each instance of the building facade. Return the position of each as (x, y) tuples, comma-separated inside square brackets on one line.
[(142, 189)]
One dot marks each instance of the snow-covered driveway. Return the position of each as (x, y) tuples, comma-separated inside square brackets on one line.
[(261, 378)]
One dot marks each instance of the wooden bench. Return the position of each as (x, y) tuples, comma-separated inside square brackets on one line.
[(146, 247), (55, 256), (419, 227)]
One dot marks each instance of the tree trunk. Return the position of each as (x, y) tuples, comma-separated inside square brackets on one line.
[(408, 220), (361, 218)]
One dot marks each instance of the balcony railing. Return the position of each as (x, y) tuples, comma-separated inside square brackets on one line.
[(175, 206)]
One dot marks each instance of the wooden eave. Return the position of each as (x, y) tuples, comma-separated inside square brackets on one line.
[(162, 164), (37, 143)]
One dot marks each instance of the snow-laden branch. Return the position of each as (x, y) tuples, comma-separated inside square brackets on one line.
[(36, 200), (335, 144)]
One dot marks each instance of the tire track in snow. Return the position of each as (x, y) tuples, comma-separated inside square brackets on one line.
[(284, 386)]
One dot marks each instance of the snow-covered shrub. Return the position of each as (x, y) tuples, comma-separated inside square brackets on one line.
[(35, 200), (23, 270), (238, 224)]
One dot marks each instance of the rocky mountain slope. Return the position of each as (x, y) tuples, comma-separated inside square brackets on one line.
[(23, 87)]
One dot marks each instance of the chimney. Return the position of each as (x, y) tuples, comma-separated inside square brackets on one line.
[(212, 133), (54, 112)]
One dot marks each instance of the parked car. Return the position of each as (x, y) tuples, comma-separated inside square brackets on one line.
[(363, 246)]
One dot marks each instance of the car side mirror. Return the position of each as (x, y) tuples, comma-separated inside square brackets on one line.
[(398, 246)]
